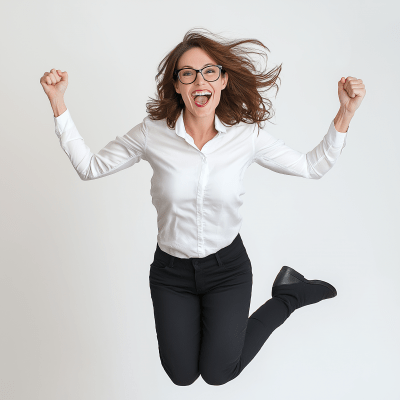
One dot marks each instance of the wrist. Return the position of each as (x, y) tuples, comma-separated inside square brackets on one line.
[(342, 120), (58, 106)]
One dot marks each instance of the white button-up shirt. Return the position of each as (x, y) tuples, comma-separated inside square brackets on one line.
[(197, 193)]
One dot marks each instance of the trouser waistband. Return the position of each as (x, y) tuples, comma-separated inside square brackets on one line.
[(234, 248)]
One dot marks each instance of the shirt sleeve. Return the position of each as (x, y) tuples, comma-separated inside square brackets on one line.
[(272, 153), (119, 154)]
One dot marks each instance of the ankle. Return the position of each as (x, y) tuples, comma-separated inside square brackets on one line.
[(287, 301)]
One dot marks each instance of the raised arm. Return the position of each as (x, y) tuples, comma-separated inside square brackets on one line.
[(272, 153), (117, 155)]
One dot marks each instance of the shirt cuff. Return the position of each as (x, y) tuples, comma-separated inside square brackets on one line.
[(336, 138), (61, 122)]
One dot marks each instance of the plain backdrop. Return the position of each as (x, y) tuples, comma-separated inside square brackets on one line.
[(76, 317)]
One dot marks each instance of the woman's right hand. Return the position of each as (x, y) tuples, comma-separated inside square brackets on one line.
[(54, 83)]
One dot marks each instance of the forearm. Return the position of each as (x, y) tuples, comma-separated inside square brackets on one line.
[(58, 106), (342, 120)]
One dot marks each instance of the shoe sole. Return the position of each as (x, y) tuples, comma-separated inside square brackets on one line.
[(291, 271)]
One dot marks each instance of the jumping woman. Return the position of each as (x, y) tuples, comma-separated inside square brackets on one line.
[(202, 132)]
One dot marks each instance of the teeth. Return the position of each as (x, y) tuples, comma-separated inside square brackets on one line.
[(203, 93)]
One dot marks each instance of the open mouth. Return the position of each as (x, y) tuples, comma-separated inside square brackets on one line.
[(201, 97)]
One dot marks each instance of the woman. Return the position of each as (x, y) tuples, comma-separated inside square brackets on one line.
[(199, 138)]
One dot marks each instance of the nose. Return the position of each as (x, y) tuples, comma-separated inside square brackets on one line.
[(199, 78)]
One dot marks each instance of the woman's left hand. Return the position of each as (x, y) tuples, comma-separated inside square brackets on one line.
[(351, 93)]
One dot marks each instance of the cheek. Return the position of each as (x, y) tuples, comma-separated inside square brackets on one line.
[(217, 97), (186, 98)]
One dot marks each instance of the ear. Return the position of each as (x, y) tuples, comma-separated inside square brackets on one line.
[(224, 80)]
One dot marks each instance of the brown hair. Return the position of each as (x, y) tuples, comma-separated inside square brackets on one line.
[(241, 100)]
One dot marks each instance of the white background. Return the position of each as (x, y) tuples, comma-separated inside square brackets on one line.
[(76, 318)]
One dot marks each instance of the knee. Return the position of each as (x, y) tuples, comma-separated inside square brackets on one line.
[(181, 374), (214, 379), (183, 379)]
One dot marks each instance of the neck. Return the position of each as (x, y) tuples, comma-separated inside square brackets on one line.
[(199, 127)]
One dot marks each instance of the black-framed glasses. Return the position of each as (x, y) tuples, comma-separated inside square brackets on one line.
[(210, 73)]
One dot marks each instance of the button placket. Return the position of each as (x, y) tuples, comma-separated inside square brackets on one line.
[(200, 201)]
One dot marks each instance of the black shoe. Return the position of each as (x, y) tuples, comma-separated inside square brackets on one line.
[(296, 291)]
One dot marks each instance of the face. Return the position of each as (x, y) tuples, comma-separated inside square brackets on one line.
[(197, 58)]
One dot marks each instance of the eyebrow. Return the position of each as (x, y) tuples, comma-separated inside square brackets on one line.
[(189, 66)]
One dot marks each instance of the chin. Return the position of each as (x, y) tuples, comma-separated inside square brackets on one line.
[(202, 112)]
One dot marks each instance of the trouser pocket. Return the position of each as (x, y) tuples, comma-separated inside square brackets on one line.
[(239, 260)]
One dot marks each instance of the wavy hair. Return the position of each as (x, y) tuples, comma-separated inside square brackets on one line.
[(243, 99)]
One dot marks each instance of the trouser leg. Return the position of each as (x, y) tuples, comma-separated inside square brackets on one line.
[(177, 320), (231, 338)]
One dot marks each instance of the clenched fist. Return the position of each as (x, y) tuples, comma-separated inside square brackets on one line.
[(54, 83), (351, 93)]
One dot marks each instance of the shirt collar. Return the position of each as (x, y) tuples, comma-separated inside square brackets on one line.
[(181, 131)]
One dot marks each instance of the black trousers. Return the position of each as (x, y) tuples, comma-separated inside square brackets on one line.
[(201, 310)]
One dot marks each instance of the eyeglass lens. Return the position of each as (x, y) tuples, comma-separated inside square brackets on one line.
[(189, 75)]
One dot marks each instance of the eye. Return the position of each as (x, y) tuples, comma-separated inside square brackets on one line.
[(210, 70)]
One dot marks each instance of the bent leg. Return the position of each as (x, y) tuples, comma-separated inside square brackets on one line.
[(177, 321), (230, 338)]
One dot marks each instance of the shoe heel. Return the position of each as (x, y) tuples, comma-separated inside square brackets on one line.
[(287, 276)]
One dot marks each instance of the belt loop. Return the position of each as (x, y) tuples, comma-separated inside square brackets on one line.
[(218, 259), (171, 261)]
